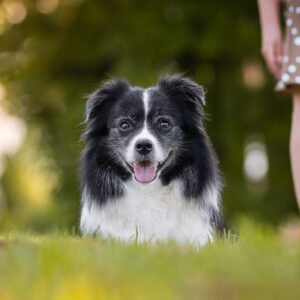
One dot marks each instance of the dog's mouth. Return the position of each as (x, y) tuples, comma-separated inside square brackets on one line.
[(145, 171)]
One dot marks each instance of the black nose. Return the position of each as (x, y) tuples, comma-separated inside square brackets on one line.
[(143, 146)]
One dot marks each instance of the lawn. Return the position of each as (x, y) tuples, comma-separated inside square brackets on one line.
[(262, 264)]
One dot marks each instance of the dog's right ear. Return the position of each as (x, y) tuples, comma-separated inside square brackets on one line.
[(106, 94), (176, 84)]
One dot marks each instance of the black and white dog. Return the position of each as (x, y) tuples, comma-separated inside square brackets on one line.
[(149, 171)]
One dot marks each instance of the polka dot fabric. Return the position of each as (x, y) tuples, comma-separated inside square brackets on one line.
[(290, 73)]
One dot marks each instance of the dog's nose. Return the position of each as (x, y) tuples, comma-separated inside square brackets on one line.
[(143, 146)]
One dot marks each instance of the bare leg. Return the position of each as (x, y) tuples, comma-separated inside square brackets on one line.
[(295, 144)]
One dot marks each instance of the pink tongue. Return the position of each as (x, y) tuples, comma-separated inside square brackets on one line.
[(145, 172)]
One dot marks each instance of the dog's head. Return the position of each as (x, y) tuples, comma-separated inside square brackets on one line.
[(144, 130)]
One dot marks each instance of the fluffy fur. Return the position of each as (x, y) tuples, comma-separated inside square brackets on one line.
[(149, 171)]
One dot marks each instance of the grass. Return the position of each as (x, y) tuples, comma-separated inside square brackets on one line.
[(261, 265)]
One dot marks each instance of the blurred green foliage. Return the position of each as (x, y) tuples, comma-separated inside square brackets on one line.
[(59, 53)]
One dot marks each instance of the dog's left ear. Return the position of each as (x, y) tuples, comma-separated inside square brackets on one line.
[(108, 92), (176, 85)]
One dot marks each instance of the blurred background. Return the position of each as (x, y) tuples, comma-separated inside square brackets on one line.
[(54, 52)]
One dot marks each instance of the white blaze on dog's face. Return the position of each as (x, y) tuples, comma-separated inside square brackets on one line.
[(144, 153), (145, 132)]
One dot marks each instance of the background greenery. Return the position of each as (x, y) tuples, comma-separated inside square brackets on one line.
[(53, 52)]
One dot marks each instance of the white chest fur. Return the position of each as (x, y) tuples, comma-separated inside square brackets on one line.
[(148, 212)]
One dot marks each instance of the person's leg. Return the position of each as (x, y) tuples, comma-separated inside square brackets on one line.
[(295, 144)]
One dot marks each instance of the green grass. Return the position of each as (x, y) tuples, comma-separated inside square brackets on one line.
[(66, 266)]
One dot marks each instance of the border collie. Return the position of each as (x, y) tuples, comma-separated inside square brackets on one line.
[(149, 172)]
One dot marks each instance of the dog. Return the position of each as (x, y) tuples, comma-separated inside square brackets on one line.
[(149, 172)]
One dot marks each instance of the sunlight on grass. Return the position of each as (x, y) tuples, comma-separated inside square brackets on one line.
[(59, 265)]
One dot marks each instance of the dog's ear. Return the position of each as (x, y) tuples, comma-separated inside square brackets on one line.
[(106, 94), (177, 85)]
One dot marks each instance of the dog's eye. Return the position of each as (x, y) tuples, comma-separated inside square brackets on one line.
[(124, 125), (164, 124)]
